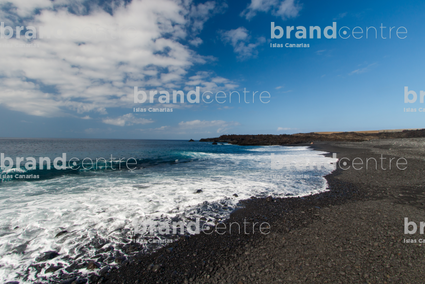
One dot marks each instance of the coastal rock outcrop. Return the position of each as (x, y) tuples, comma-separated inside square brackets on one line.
[(309, 138)]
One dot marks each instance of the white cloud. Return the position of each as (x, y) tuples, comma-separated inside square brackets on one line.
[(201, 13), (99, 57), (218, 125), (240, 40), (340, 16), (283, 129), (362, 70), (237, 35), (20, 95), (208, 81), (285, 9), (98, 131), (225, 108), (25, 8), (197, 127), (127, 119), (196, 41)]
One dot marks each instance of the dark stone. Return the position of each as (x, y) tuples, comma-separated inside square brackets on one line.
[(199, 191), (132, 247), (47, 256), (156, 267), (120, 259), (68, 281), (92, 265), (53, 268), (110, 259), (93, 278), (191, 140), (104, 270), (75, 266), (61, 233), (80, 281)]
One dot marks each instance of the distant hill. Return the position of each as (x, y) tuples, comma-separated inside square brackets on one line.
[(306, 138)]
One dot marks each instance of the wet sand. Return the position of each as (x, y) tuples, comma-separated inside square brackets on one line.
[(354, 233)]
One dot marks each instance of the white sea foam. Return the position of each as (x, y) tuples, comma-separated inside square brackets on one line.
[(104, 204)]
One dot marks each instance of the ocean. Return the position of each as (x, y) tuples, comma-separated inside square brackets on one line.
[(97, 193)]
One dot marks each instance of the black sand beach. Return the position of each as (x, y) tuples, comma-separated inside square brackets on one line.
[(354, 233)]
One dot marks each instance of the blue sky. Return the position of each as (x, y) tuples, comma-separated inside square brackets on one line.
[(80, 84)]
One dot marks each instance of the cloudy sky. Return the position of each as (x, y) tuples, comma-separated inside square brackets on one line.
[(69, 68)]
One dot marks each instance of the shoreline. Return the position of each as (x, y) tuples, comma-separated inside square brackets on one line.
[(249, 258)]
